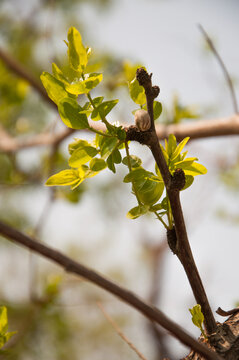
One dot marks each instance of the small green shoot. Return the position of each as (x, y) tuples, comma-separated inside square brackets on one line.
[(198, 318)]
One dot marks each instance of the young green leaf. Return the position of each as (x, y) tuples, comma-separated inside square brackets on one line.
[(76, 51), (70, 113), (54, 88), (137, 92), (82, 155), (116, 155), (135, 175), (63, 178), (103, 109), (137, 211), (58, 74), (195, 169), (76, 144), (108, 144), (179, 148), (97, 164), (134, 161), (4, 335), (172, 144), (110, 163), (197, 317), (84, 86), (157, 108)]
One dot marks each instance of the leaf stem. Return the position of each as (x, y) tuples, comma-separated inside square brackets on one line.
[(130, 170), (162, 221)]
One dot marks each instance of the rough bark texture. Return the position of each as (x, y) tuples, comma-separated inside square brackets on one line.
[(225, 341)]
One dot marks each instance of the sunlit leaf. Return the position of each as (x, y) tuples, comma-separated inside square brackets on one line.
[(54, 88), (137, 211), (76, 51), (103, 109), (195, 169), (84, 86), (107, 146), (179, 148), (82, 155), (137, 92), (69, 111), (97, 164), (58, 74), (63, 178)]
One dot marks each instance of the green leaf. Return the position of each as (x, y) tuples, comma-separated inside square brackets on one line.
[(84, 86), (134, 161), (149, 192), (77, 53), (97, 164), (179, 148), (157, 108), (189, 179), (4, 335), (198, 318), (54, 88), (137, 211), (156, 207), (195, 169), (3, 319), (76, 144), (82, 155), (58, 74), (103, 109), (69, 111), (172, 144), (116, 156), (63, 178), (107, 146), (135, 175), (185, 163), (111, 164), (137, 92)]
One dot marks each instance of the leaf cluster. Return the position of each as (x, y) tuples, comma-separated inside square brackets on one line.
[(4, 334), (87, 159)]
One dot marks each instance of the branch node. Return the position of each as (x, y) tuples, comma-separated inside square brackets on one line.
[(178, 180), (172, 240)]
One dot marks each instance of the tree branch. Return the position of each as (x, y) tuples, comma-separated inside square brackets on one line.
[(20, 71), (182, 247), (195, 130), (223, 66), (125, 295)]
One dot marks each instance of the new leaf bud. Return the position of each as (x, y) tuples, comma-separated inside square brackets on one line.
[(142, 120)]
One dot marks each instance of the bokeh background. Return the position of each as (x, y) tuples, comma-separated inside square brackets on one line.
[(56, 314)]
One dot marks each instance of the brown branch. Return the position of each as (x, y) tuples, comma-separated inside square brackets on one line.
[(195, 130), (224, 69), (125, 295), (20, 71), (182, 247)]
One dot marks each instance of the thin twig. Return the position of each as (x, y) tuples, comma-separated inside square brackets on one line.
[(125, 295), (183, 250), (120, 333), (223, 67)]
